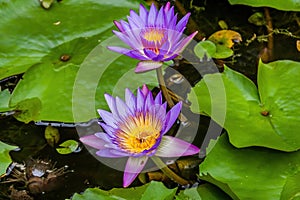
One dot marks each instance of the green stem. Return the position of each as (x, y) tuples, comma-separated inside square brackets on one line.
[(168, 172), (165, 92), (163, 87)]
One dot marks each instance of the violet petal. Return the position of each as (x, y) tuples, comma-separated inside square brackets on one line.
[(130, 100), (152, 16), (171, 117), (133, 167), (147, 65), (160, 22), (108, 118), (140, 100), (167, 6), (185, 42), (174, 147), (119, 25), (143, 14), (182, 23), (111, 153), (149, 101), (134, 16), (93, 141), (145, 90), (158, 98), (123, 109), (111, 102), (109, 129)]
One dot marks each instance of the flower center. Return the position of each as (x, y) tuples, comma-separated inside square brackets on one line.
[(154, 35), (139, 133)]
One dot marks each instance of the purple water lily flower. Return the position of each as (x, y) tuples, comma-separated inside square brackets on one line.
[(153, 37), (136, 128)]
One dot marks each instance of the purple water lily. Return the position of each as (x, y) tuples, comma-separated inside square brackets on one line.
[(136, 128), (153, 37)]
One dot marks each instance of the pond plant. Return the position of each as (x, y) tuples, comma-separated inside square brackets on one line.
[(213, 114)]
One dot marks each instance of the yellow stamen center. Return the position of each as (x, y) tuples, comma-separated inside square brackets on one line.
[(154, 35), (139, 133)]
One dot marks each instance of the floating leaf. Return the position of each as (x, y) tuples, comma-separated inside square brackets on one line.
[(151, 191), (256, 173), (204, 191), (68, 147), (5, 159), (267, 116), (225, 38), (52, 135), (205, 48), (4, 101), (222, 52), (224, 41), (288, 5), (71, 90), (36, 31), (291, 189)]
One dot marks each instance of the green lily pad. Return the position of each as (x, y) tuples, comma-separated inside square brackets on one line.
[(267, 116), (288, 5), (222, 52), (251, 173), (291, 189), (67, 147), (31, 31), (4, 101), (205, 48), (72, 90), (5, 159), (204, 191), (151, 191), (71, 76)]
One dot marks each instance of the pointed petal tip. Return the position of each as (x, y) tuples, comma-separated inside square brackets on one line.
[(93, 141), (175, 147), (145, 90), (144, 66), (133, 167), (118, 25), (167, 6)]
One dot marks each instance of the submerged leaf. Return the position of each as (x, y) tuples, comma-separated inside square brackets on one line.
[(28, 109), (258, 19), (52, 135)]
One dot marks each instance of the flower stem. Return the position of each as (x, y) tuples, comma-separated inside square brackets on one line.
[(163, 87), (168, 172), (165, 92)]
